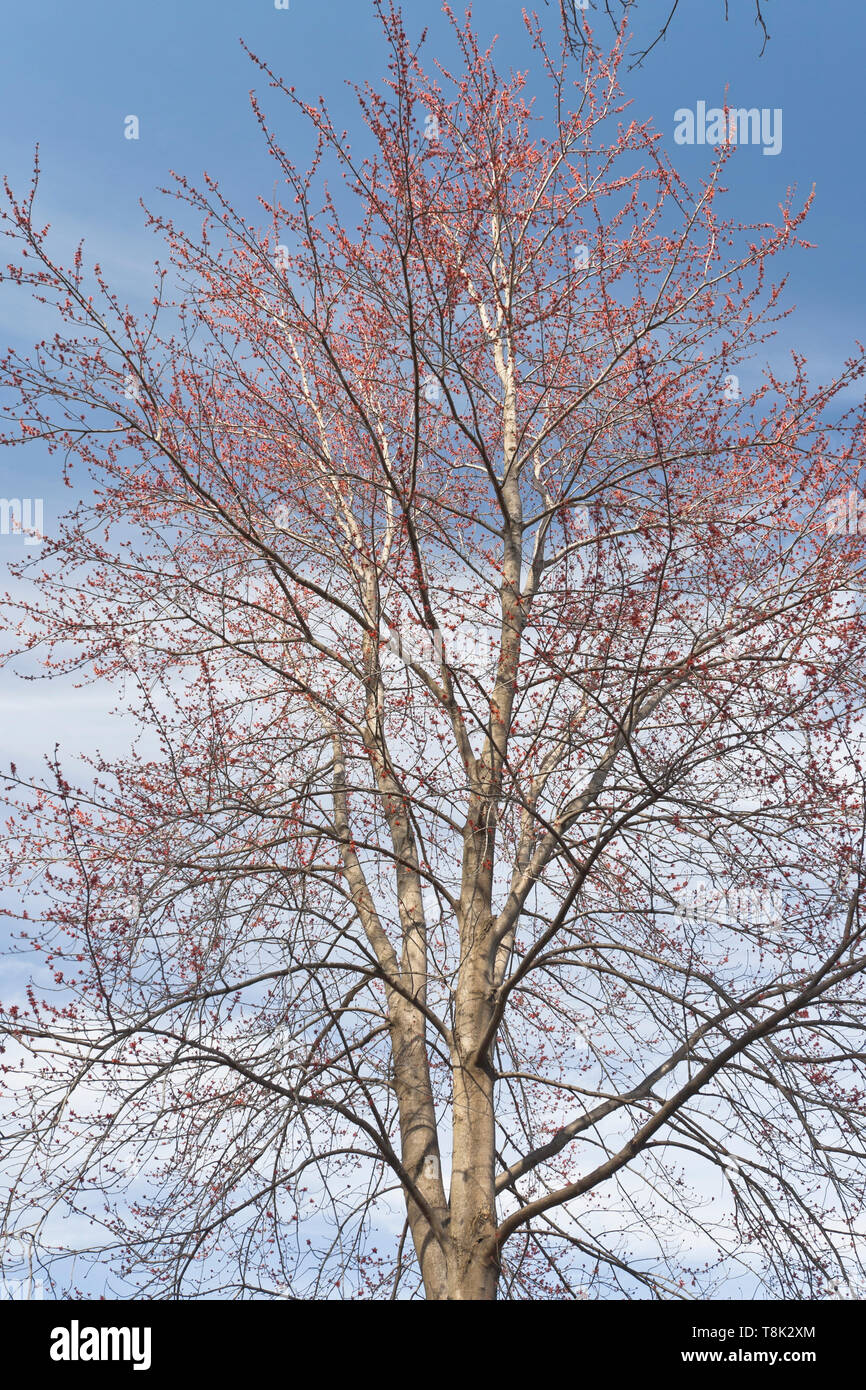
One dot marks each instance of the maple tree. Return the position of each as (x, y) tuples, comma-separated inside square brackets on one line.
[(468, 606)]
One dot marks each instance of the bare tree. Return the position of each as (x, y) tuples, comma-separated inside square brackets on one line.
[(477, 912)]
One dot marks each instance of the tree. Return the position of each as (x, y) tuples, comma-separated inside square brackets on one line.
[(496, 804)]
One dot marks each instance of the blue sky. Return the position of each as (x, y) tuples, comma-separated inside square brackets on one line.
[(69, 75)]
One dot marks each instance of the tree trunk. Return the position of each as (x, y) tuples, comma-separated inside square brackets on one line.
[(419, 1144), (473, 1269)]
